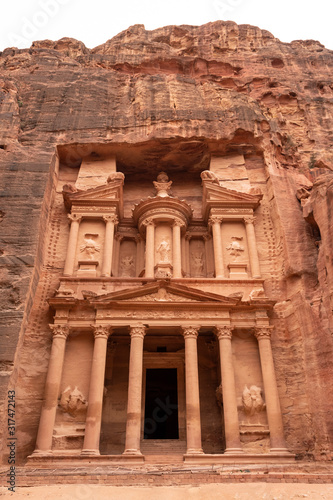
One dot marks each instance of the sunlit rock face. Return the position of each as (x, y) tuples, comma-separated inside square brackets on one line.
[(183, 100)]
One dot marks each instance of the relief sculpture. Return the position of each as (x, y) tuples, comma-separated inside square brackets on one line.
[(127, 266), (163, 250), (89, 247), (252, 400), (197, 264), (72, 401), (234, 248)]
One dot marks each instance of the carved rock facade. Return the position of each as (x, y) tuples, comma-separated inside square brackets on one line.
[(180, 253)]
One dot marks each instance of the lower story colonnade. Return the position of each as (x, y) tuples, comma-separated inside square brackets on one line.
[(161, 359)]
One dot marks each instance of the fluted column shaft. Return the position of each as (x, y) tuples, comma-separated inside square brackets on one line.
[(273, 409), (176, 250), (193, 421), (150, 248), (52, 387), (217, 242), (230, 412), (252, 246), (110, 221), (133, 425), (96, 392), (72, 244)]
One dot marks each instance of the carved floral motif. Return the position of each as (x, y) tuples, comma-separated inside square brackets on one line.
[(60, 331), (223, 332), (101, 331), (191, 332)]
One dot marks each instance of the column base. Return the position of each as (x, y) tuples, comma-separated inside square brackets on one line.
[(233, 451), (132, 452), (194, 451), (279, 450), (85, 453), (42, 453)]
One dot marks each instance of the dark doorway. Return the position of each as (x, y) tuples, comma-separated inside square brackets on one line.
[(161, 406)]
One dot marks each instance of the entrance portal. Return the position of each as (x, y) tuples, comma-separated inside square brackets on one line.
[(161, 406)]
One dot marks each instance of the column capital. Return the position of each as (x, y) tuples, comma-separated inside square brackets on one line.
[(110, 218), (223, 332), (101, 331), (263, 332), (215, 219), (75, 217), (60, 331), (178, 222), (206, 236), (138, 331), (148, 222), (249, 219), (190, 331)]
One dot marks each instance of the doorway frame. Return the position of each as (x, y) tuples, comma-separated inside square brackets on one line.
[(166, 360)]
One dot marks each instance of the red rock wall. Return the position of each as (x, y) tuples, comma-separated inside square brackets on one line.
[(181, 94)]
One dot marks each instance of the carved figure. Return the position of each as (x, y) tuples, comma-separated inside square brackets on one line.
[(116, 176), (257, 293), (164, 250), (235, 248), (90, 246), (127, 266), (252, 400), (198, 264), (72, 401)]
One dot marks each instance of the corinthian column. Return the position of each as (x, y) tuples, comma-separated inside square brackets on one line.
[(51, 392), (72, 243), (133, 425), (217, 242), (273, 409), (150, 247), (230, 412), (193, 423), (252, 246), (110, 222), (176, 249), (96, 391)]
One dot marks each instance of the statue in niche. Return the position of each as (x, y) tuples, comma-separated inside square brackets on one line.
[(163, 250), (89, 246), (252, 400), (197, 263), (235, 249), (127, 266), (72, 401), (162, 185)]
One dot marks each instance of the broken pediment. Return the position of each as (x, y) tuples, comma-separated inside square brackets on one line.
[(216, 196), (162, 291), (107, 195)]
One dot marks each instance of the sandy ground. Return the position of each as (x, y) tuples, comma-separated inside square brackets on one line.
[(250, 491)]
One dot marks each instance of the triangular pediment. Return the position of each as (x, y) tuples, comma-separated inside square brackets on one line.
[(162, 292), (110, 195), (216, 196)]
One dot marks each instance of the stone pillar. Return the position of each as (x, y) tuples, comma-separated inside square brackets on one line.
[(150, 248), (193, 423), (133, 425), (176, 249), (209, 266), (96, 392), (187, 254), (217, 242), (252, 246), (72, 243), (139, 255), (52, 387), (110, 221), (115, 264), (230, 412), (263, 335)]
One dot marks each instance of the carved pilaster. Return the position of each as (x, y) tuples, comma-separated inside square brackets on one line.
[(72, 243), (252, 245)]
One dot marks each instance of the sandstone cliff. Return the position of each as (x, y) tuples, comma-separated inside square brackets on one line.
[(178, 95)]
